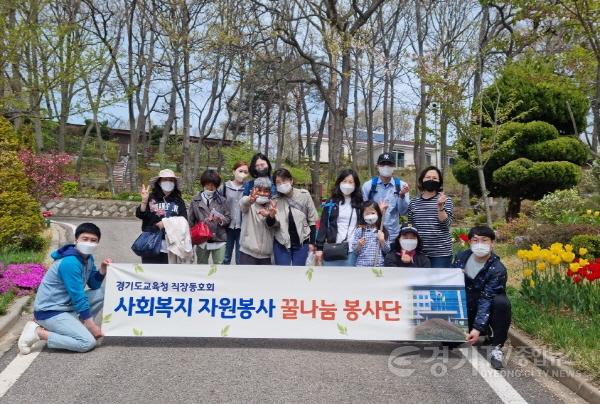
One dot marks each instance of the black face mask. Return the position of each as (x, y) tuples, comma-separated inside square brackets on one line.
[(263, 172), (431, 185)]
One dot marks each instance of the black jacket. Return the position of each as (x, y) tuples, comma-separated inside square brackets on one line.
[(156, 210), (489, 282), (420, 260), (328, 228)]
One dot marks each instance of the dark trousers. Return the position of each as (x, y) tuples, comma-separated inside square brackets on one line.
[(162, 258), (246, 259), (499, 322), (233, 240)]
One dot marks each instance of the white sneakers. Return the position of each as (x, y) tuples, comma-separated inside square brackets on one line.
[(496, 357), (28, 337)]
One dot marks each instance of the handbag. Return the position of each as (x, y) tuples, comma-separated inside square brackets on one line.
[(200, 233), (337, 251), (148, 244)]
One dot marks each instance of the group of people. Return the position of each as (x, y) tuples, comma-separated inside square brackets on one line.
[(262, 219)]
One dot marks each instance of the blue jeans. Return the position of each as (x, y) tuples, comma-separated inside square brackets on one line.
[(66, 331), (441, 262), (295, 256), (233, 239), (349, 262)]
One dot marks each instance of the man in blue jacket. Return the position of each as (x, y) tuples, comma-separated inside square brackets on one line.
[(63, 310), (488, 308)]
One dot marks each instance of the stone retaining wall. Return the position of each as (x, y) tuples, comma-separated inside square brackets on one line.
[(79, 207)]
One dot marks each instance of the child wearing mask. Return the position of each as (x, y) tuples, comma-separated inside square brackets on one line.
[(369, 240), (407, 250)]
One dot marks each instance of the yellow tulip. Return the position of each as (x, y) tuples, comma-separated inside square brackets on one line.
[(556, 248), (531, 283), (527, 273), (555, 260), (540, 266), (583, 263), (574, 267), (568, 257), (583, 251), (589, 211), (535, 247), (596, 213), (522, 254), (568, 248)]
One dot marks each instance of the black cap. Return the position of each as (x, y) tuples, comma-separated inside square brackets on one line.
[(385, 158), (408, 228)]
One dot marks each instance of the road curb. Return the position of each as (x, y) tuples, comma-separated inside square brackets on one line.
[(13, 314), (554, 366)]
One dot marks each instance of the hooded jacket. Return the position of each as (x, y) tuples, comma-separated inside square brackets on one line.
[(63, 287), (489, 282)]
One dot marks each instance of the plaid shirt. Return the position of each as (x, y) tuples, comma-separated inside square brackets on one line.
[(366, 256)]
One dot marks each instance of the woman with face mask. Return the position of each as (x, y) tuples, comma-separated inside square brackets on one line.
[(340, 215), (432, 213), (260, 167), (294, 224), (163, 200), (406, 251), (210, 207), (233, 191)]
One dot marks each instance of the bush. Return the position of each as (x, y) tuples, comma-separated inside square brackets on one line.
[(69, 188), (46, 173), (546, 234), (553, 207), (590, 242), (35, 243), (506, 232)]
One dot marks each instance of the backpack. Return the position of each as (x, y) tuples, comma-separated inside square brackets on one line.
[(374, 182)]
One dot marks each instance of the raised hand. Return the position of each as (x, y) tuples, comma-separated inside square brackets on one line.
[(442, 200), (145, 193), (404, 190), (381, 236), (406, 258), (272, 208), (253, 196), (383, 205)]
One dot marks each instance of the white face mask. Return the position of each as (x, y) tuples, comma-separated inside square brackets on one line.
[(346, 189), (261, 200), (209, 194), (85, 247), (239, 176), (371, 219), (481, 249), (409, 244), (386, 171), (284, 188), (167, 186)]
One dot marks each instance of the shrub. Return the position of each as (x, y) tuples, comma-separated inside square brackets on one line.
[(546, 234), (506, 232), (21, 279), (46, 173), (69, 188), (590, 242), (35, 243), (558, 204)]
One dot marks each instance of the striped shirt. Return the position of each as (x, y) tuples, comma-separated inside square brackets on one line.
[(423, 214), (368, 254)]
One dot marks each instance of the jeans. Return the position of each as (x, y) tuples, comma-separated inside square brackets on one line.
[(233, 239), (66, 331), (441, 262), (246, 259), (162, 258), (499, 322), (295, 256), (348, 262), (203, 254)]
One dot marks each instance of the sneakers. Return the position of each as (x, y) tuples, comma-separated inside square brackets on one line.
[(496, 357), (28, 337)]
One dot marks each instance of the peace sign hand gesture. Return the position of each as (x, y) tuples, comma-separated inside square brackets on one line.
[(144, 193)]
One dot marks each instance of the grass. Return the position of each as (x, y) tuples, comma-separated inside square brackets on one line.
[(5, 300), (576, 336), (21, 256)]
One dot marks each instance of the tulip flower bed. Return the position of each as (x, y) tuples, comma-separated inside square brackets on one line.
[(561, 278)]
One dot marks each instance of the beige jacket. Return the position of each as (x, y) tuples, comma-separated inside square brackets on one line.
[(304, 217), (179, 241), (256, 238)]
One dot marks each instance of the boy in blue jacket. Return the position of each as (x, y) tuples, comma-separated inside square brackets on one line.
[(488, 307), (63, 310)]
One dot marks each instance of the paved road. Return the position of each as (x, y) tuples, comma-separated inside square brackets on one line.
[(163, 370)]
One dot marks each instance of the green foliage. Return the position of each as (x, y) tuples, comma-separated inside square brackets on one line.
[(5, 300), (233, 154), (19, 212), (546, 234), (564, 149), (35, 243), (69, 188), (532, 180), (591, 242), (542, 94), (13, 256), (556, 205)]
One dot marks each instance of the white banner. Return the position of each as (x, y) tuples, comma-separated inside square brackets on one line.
[(411, 304)]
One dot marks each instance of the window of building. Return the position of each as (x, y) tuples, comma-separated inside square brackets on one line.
[(399, 157)]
